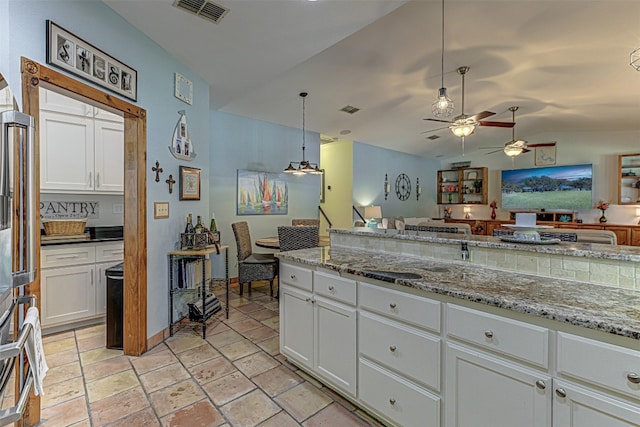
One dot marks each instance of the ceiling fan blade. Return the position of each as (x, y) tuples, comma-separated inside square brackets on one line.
[(482, 115), (494, 151), (435, 130), (497, 124), (437, 120), (525, 150), (542, 144), (489, 148)]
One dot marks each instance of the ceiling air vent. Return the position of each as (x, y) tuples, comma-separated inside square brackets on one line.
[(205, 9), (349, 109), (432, 137)]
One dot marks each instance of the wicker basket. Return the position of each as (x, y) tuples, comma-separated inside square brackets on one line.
[(64, 227)]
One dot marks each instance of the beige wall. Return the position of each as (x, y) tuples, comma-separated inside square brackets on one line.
[(337, 160)]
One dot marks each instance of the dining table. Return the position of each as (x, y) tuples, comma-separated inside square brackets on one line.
[(273, 242)]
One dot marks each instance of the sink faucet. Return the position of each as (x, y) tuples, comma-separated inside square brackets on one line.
[(464, 251)]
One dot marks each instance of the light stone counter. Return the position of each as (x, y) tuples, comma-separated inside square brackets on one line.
[(589, 305)]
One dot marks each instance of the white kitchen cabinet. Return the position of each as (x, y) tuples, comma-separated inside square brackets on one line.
[(574, 406), (318, 324), (81, 147), (482, 390), (335, 329), (66, 152), (73, 282), (68, 294), (296, 324)]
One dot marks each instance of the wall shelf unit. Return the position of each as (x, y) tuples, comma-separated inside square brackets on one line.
[(466, 186), (629, 179)]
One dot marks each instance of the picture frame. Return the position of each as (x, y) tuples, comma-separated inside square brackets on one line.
[(189, 183), (545, 156), (261, 193), (184, 89), (471, 175), (69, 52), (160, 210)]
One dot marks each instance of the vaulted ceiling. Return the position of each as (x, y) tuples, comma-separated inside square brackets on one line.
[(565, 63)]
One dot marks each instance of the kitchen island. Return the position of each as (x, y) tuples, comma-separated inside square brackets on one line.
[(406, 329)]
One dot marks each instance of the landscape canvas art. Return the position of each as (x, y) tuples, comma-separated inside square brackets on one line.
[(261, 193)]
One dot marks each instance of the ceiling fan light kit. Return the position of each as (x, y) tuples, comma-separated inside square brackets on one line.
[(443, 106)]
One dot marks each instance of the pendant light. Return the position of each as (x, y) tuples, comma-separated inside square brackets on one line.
[(443, 106), (304, 166)]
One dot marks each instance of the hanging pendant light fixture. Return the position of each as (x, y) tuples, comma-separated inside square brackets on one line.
[(304, 166), (443, 106)]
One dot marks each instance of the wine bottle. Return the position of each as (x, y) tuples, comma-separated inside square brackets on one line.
[(189, 226), (213, 228), (199, 226)]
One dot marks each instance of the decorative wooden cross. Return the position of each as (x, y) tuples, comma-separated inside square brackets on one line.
[(158, 170), (170, 181)]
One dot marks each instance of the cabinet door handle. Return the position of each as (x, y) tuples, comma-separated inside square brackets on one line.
[(90, 179), (541, 385), (392, 348), (91, 277), (392, 400), (66, 256), (293, 277), (97, 179), (311, 300), (561, 392), (633, 377), (392, 306), (488, 334), (331, 288)]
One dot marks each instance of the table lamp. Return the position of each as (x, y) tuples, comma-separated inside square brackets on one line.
[(370, 214)]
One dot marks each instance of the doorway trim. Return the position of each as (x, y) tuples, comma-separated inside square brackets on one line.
[(135, 200)]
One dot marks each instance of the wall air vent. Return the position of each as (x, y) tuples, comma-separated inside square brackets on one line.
[(205, 9), (432, 137), (349, 109)]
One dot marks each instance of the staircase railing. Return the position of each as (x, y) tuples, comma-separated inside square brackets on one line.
[(325, 216)]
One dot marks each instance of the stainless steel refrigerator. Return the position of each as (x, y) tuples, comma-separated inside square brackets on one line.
[(18, 227)]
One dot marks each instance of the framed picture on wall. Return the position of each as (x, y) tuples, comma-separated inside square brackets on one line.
[(545, 155), (261, 193), (67, 51), (189, 183)]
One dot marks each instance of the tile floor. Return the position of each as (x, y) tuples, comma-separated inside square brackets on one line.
[(236, 377)]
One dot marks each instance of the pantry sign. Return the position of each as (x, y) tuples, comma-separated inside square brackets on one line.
[(51, 209)]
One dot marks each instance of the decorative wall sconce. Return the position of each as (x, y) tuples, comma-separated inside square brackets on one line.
[(418, 189), (387, 186), (467, 212)]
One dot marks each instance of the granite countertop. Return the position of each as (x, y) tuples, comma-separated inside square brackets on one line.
[(587, 250), (601, 308)]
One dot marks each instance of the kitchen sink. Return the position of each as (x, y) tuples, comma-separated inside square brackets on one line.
[(393, 275)]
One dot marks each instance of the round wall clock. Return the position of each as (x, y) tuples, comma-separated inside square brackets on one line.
[(403, 187)]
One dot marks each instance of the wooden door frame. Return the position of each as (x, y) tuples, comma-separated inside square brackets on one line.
[(135, 200)]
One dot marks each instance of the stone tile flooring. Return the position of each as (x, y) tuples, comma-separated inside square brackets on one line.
[(236, 377)]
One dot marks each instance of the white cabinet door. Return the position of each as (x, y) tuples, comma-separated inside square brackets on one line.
[(335, 332), (68, 294), (109, 156), (66, 154), (296, 325), (56, 102), (482, 390), (579, 407)]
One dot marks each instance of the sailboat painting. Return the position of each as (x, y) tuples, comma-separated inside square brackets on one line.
[(261, 193)]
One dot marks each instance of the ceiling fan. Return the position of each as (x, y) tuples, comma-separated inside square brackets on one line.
[(464, 125), (515, 147)]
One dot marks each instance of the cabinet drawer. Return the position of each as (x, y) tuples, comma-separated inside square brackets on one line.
[(110, 252), (399, 400), (296, 276), (70, 255), (408, 351), (334, 287), (606, 365), (398, 305), (507, 336)]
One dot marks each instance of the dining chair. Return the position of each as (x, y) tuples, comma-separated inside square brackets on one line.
[(306, 221), (252, 266), (294, 237)]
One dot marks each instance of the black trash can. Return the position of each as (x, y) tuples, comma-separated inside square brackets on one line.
[(115, 318)]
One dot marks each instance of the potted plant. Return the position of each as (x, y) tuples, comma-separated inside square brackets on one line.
[(603, 206)]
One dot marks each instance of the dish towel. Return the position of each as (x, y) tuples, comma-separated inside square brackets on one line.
[(35, 351)]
